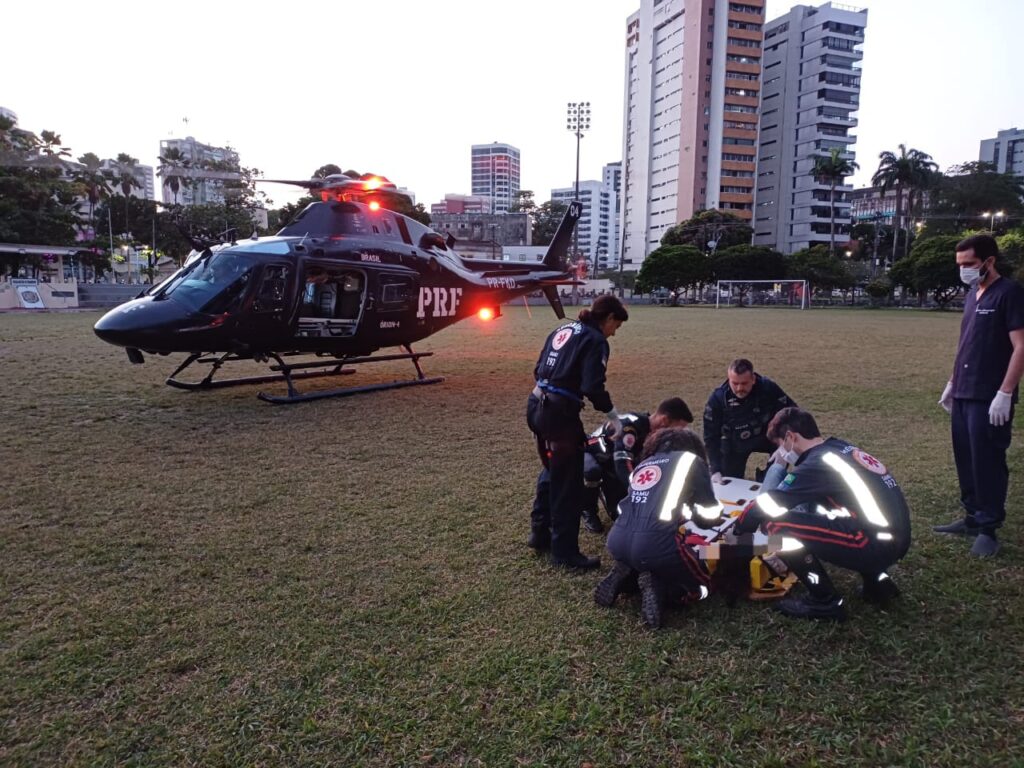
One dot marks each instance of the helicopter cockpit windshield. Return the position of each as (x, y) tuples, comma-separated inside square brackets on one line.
[(212, 285)]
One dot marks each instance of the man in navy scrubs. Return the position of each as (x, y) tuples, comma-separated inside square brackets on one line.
[(982, 391)]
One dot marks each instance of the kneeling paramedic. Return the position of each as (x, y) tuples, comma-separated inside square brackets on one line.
[(670, 485), (608, 463), (571, 366), (837, 504)]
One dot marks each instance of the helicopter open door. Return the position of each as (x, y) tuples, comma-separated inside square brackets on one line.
[(332, 301)]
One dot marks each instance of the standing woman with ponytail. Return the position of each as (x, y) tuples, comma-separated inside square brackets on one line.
[(571, 367)]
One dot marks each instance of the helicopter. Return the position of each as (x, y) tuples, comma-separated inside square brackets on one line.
[(346, 277)]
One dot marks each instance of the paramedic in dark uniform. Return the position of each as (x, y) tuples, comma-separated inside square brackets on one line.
[(982, 391), (669, 486), (571, 367), (608, 463), (837, 504), (736, 417)]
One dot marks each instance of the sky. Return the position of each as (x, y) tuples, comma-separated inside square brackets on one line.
[(404, 88)]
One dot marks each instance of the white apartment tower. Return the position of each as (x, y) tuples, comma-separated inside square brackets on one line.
[(1005, 151), (693, 71), (495, 169), (810, 91), (597, 221), (209, 168)]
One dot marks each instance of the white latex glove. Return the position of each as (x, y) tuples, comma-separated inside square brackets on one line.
[(615, 423), (999, 411), (716, 478), (778, 457), (946, 401)]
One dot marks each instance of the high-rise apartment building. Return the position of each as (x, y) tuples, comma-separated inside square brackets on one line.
[(693, 71), (611, 177), (810, 90), (593, 227), (208, 169), (1005, 151), (143, 175), (495, 169)]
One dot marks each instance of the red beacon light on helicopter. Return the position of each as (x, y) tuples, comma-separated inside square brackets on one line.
[(489, 313)]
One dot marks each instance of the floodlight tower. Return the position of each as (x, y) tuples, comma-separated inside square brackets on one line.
[(577, 121)]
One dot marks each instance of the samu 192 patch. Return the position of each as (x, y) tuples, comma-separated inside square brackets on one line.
[(629, 440)]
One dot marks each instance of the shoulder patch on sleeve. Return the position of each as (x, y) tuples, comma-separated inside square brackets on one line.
[(629, 440), (788, 479)]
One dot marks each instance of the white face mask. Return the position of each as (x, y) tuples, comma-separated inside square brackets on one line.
[(970, 275), (789, 455)]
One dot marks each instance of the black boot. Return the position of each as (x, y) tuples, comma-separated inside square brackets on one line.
[(878, 588), (650, 599), (579, 561), (592, 521), (539, 540), (822, 601), (612, 585)]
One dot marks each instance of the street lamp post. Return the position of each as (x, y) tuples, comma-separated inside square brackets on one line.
[(577, 121), (992, 216)]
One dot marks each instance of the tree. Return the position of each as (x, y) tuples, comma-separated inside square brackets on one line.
[(831, 169), (820, 268), (523, 203), (93, 183), (931, 266), (546, 220), (674, 267), (969, 190), (722, 228), (910, 169), (327, 170), (174, 170), (751, 262), (1011, 248)]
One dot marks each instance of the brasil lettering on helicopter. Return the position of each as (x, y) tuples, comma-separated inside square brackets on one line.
[(441, 302), (369, 257), (501, 282)]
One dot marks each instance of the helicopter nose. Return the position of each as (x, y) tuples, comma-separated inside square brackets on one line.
[(134, 323)]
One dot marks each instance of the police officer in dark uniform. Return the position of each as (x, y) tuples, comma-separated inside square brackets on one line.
[(571, 367), (736, 416), (608, 463), (838, 504), (982, 392), (669, 486)]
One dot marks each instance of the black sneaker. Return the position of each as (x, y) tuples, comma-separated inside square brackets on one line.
[(879, 590), (613, 584), (539, 540), (957, 528), (592, 521), (986, 545), (807, 607), (579, 561), (650, 599)]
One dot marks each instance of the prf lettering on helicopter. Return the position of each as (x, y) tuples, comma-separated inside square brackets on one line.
[(346, 277)]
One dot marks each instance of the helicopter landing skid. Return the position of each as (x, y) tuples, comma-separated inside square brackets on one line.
[(289, 372)]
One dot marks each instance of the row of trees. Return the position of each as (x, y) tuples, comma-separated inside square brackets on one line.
[(48, 199)]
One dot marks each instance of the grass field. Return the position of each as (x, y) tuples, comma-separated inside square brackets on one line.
[(205, 579)]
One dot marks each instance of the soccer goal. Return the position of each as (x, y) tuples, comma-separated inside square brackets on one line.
[(762, 293)]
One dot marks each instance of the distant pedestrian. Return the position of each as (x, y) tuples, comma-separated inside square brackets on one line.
[(982, 391)]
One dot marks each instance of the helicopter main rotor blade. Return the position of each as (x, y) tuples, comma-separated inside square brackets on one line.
[(307, 183)]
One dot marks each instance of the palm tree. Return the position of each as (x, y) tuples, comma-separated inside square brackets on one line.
[(831, 169), (94, 183), (174, 169), (126, 178), (911, 170)]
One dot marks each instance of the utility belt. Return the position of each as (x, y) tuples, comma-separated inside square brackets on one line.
[(544, 387), (743, 434)]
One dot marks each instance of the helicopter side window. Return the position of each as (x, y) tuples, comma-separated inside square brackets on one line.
[(213, 285), (396, 291), (332, 294), (271, 296)]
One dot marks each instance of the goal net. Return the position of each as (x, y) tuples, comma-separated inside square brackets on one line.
[(761, 293)]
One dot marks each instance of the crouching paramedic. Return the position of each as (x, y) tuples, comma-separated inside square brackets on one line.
[(608, 463), (837, 504), (571, 366), (670, 485)]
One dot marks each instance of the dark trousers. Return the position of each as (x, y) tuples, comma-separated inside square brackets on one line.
[(663, 553), (979, 450), (601, 480), (734, 460), (559, 500), (841, 541)]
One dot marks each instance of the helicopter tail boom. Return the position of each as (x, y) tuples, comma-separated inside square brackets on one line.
[(555, 257)]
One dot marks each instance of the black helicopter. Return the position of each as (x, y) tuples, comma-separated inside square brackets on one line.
[(346, 277)]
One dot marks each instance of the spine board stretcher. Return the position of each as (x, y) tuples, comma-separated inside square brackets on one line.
[(768, 580)]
